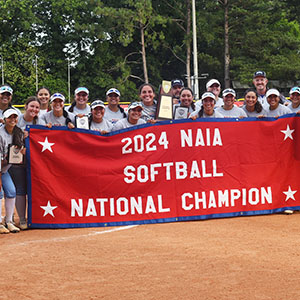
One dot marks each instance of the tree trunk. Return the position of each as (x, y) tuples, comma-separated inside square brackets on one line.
[(188, 43), (144, 53), (226, 42)]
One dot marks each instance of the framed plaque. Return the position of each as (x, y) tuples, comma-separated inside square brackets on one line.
[(15, 155), (82, 122), (164, 108), (181, 112)]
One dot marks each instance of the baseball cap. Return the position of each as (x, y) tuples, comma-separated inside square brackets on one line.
[(176, 82), (81, 89), (6, 88), (208, 95), (9, 112), (97, 103), (272, 92), (57, 96), (134, 105), (113, 90), (295, 89), (229, 92), (260, 74), (211, 82)]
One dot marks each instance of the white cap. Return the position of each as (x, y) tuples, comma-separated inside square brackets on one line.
[(6, 88), (81, 89), (113, 90), (272, 92), (208, 95), (134, 105), (295, 89), (11, 111), (211, 82), (57, 96), (229, 92), (97, 103)]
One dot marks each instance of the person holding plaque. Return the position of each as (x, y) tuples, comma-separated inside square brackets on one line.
[(80, 105), (6, 93), (58, 116), (11, 149), (134, 117), (96, 121), (186, 97), (114, 112), (43, 94), (207, 109), (149, 104), (18, 170)]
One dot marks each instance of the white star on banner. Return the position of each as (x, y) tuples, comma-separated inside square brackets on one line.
[(46, 145), (48, 209), (288, 133), (290, 194)]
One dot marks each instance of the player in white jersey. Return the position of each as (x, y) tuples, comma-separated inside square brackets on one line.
[(294, 106), (229, 110), (113, 111), (6, 93), (252, 106), (134, 117), (207, 109), (80, 105), (43, 94), (96, 120), (275, 109), (58, 116)]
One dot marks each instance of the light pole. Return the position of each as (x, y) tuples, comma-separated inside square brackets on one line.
[(195, 77), (2, 69), (36, 74), (69, 81)]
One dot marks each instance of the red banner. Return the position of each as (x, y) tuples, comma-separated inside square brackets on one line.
[(170, 171)]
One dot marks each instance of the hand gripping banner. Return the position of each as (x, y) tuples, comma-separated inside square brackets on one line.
[(166, 172)]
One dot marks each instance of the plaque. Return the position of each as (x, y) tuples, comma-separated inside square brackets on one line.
[(15, 155), (165, 108), (181, 112), (166, 87), (82, 122)]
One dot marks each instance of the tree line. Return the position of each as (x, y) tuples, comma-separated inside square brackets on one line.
[(126, 43)]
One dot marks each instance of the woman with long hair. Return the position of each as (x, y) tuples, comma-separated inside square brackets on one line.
[(43, 94)]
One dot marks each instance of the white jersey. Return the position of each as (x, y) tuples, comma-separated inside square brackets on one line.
[(104, 125), (214, 115), (254, 113), (235, 112), (121, 124), (22, 123), (113, 116), (218, 103), (42, 112), (56, 121), (149, 111), (279, 111), (294, 110), (78, 111), (5, 141)]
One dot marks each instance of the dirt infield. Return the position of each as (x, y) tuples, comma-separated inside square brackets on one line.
[(236, 258)]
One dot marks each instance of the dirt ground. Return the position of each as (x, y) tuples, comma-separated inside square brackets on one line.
[(234, 258)]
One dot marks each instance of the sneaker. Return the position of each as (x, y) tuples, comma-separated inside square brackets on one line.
[(23, 225), (12, 228), (3, 229), (288, 212)]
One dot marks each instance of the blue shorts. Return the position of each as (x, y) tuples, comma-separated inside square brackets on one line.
[(7, 186)]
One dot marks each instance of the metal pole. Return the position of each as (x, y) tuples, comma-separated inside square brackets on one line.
[(2, 69), (69, 81), (196, 81), (36, 74)]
